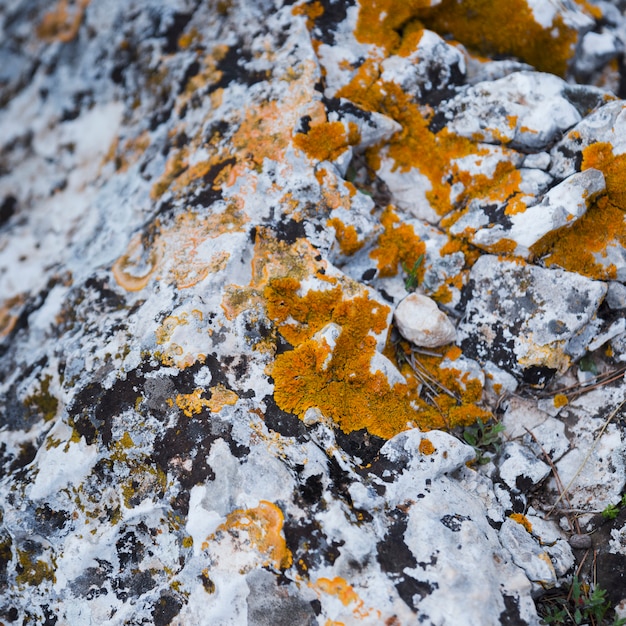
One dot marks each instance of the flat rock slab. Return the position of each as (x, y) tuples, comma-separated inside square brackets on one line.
[(530, 321)]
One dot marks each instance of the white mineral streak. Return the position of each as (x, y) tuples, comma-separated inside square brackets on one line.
[(421, 322)]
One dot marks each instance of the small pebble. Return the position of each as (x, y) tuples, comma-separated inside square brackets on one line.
[(580, 542)]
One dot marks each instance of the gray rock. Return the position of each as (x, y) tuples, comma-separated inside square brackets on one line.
[(530, 321), (519, 467), (493, 110)]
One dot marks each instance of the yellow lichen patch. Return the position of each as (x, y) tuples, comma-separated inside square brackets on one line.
[(43, 403), (347, 236), (582, 248), (560, 399), (497, 28), (398, 245), (144, 481), (192, 403), (62, 24), (260, 528), (272, 258), (327, 141), (183, 337), (552, 355), (415, 146), (523, 520), (221, 397), (177, 254), (33, 571), (9, 312), (312, 10), (426, 447), (340, 588)]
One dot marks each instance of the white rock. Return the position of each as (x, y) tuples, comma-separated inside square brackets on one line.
[(519, 467), (561, 207), (421, 322), (527, 553), (524, 109)]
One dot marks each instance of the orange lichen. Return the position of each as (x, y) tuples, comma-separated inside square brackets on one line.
[(600, 156), (9, 313), (260, 528), (523, 520), (497, 28), (347, 236), (327, 141), (340, 588), (181, 337), (415, 145), (221, 397), (381, 22), (191, 403), (187, 39), (312, 10), (583, 247), (59, 25), (339, 381), (398, 245), (272, 259), (560, 400), (426, 447), (172, 254)]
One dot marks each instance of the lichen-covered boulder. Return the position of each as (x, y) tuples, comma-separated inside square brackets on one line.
[(208, 215)]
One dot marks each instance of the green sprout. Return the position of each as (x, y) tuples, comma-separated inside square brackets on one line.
[(612, 510), (579, 605), (484, 437), (411, 281)]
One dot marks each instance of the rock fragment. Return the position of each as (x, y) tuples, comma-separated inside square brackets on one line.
[(421, 322), (529, 321)]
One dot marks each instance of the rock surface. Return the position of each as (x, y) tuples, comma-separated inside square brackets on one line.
[(211, 215)]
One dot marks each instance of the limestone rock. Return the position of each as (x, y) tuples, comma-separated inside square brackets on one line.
[(208, 212), (421, 322), (546, 112), (528, 320)]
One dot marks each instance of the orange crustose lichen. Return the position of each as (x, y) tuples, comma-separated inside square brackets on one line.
[(261, 528), (426, 447), (415, 146), (172, 253), (487, 26), (59, 24), (397, 245), (346, 235), (338, 381), (583, 247), (326, 141), (523, 520)]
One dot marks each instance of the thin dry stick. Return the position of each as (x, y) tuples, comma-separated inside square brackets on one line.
[(600, 379), (591, 449), (559, 484)]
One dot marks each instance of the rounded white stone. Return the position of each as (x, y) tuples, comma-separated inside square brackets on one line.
[(420, 321)]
